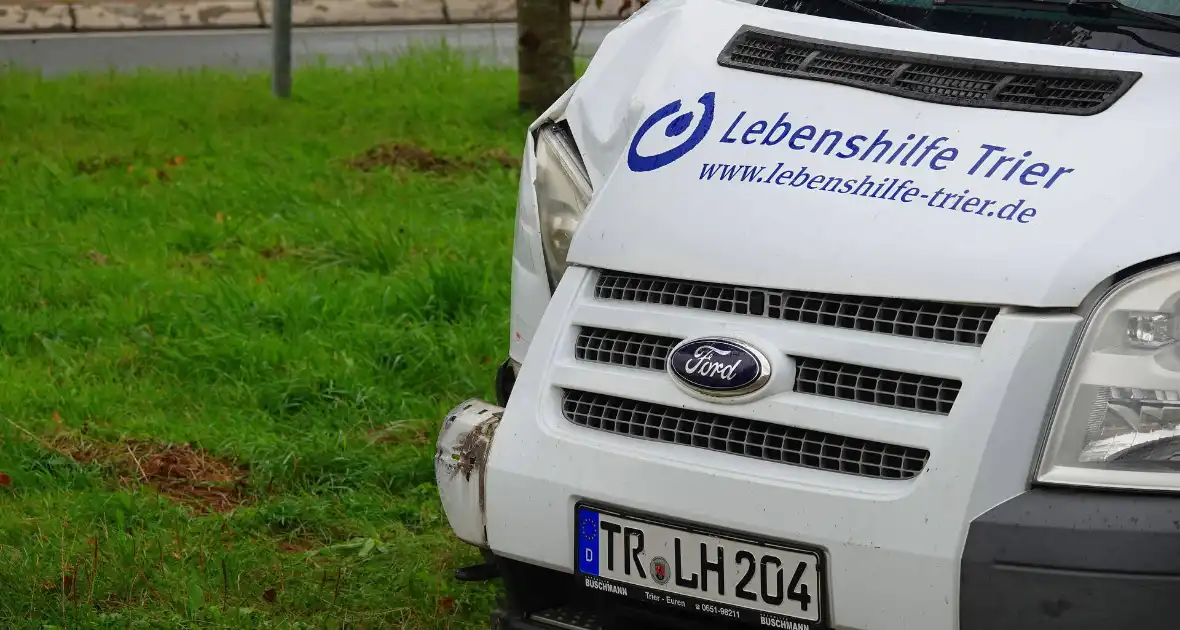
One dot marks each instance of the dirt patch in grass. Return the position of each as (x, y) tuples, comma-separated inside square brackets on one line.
[(503, 158), (190, 262), (274, 252), (181, 472), (399, 432), (423, 160), (96, 164), (401, 155), (280, 251), (296, 546), (92, 165), (98, 258)]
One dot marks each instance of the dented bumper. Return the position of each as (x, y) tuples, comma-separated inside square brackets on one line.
[(460, 467)]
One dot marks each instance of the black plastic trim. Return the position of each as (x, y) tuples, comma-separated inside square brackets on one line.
[(506, 620), (1054, 559), (505, 381), (1125, 78), (530, 589)]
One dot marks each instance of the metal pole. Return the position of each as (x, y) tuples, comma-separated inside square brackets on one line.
[(281, 48)]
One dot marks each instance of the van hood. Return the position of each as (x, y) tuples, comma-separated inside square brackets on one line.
[(712, 173)]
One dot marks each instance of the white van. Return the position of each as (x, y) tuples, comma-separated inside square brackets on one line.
[(842, 314)]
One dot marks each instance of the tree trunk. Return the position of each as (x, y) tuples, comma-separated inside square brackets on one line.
[(544, 55)]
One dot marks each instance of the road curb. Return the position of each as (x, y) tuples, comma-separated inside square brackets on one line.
[(92, 17)]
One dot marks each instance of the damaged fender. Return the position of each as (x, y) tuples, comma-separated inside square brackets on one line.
[(460, 467)]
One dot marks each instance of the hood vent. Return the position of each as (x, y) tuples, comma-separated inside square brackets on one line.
[(932, 78)]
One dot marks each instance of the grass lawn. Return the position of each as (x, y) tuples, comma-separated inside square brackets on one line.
[(229, 328)]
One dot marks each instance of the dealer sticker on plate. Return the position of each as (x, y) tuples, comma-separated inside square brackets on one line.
[(761, 583)]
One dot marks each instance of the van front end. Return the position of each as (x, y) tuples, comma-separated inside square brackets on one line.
[(824, 322)]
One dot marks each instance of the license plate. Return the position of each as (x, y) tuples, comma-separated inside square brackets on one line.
[(699, 570)]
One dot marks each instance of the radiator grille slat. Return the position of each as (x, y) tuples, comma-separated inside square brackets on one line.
[(740, 436), (966, 324), (874, 386), (817, 377), (625, 348), (947, 80)]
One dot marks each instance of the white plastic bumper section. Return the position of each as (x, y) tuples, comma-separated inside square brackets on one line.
[(460, 465)]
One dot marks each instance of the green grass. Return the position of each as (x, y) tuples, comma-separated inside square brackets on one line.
[(261, 301)]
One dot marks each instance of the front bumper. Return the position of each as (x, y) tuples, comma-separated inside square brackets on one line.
[(1049, 559)]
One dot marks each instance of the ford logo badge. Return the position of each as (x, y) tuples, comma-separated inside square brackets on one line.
[(718, 366)]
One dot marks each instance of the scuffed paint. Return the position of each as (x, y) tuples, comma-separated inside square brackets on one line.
[(462, 449), (473, 446)]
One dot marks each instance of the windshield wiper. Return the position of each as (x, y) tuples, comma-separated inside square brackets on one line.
[(1087, 8), (860, 5)]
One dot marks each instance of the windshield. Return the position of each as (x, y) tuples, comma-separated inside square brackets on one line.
[(1118, 31)]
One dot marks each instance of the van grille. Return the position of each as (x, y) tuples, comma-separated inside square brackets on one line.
[(818, 377), (947, 80), (874, 386), (741, 436), (619, 347), (966, 324)]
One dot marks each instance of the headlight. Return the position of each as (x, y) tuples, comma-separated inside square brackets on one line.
[(563, 190), (1117, 423)]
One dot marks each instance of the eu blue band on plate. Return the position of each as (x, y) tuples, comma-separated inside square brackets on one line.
[(588, 541)]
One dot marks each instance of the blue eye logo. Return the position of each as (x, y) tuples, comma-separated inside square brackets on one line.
[(678, 126)]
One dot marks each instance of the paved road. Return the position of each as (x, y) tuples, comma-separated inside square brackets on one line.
[(250, 49)]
